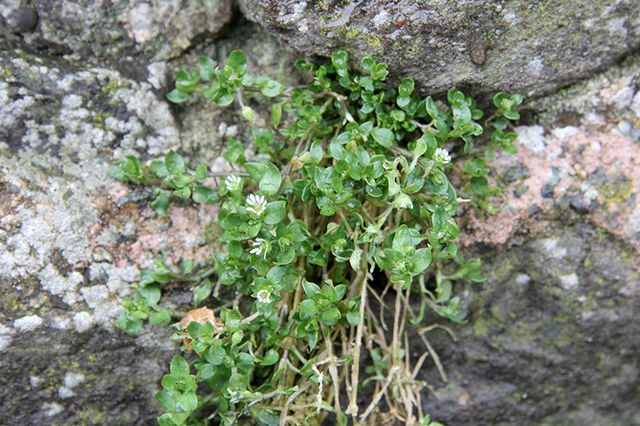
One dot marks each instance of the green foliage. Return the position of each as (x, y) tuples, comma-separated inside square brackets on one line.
[(356, 178), (171, 175)]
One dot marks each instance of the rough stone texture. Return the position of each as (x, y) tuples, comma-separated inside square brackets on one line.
[(550, 338), (114, 31), (550, 335), (489, 45), (72, 240), (64, 244)]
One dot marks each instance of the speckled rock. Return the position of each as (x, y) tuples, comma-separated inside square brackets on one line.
[(73, 240), (113, 32), (550, 335), (550, 338), (65, 248), (527, 46)]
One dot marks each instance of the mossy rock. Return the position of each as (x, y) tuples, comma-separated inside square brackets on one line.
[(563, 355), (531, 47)]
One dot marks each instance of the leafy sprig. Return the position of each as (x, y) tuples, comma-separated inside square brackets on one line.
[(354, 207)]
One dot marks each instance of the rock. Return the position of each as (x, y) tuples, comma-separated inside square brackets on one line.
[(73, 241), (60, 129), (514, 173), (23, 20), (547, 191), (124, 30), (549, 334), (486, 46), (549, 338)]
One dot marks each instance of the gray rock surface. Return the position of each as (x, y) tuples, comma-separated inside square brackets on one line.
[(550, 337), (61, 274), (73, 240), (527, 46), (116, 31)]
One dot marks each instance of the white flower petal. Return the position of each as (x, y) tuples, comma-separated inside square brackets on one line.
[(442, 156), (264, 296)]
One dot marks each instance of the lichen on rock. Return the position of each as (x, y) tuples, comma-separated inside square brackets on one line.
[(101, 33), (487, 46)]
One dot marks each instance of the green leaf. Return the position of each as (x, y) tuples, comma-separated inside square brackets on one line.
[(270, 358), (353, 312), (129, 325), (271, 180), (420, 148), (356, 258), (461, 111), (177, 97), (405, 239), (404, 92), (308, 309), (128, 170), (406, 87), (310, 289), (431, 107), (179, 366), (235, 152), (248, 113), (174, 163), (160, 317), (317, 153), (256, 170), (224, 99), (379, 71), (276, 114), (206, 67), (480, 185), (173, 419), (237, 61), (340, 60), (201, 292), (420, 260), (215, 356), (201, 171), (165, 399), (271, 88), (383, 136), (367, 62), (366, 83), (187, 402), (204, 195), (512, 115), (150, 294), (237, 337), (353, 318), (183, 193), (161, 203), (331, 316), (275, 212), (158, 168)]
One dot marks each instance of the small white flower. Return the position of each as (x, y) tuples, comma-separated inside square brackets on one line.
[(256, 204), (232, 182), (260, 247), (403, 201), (264, 296), (442, 156)]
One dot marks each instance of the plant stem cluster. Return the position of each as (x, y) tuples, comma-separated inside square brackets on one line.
[(337, 242)]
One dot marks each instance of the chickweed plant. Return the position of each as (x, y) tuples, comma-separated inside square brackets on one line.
[(335, 243)]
